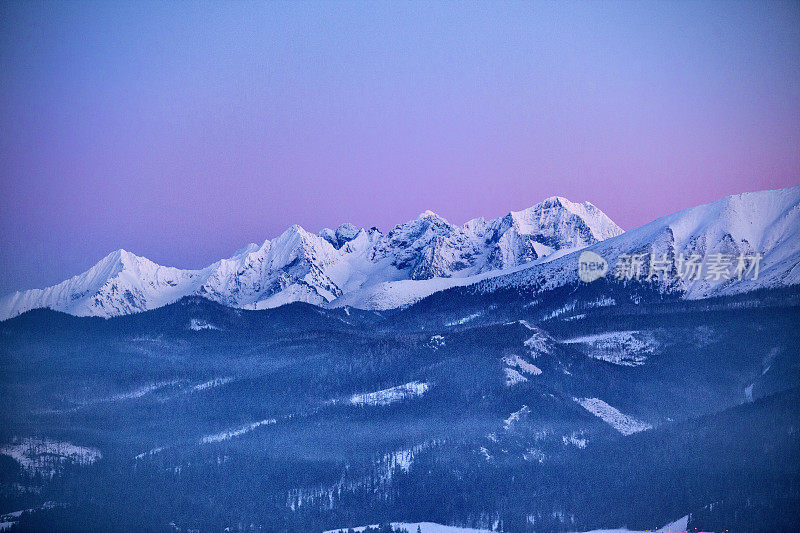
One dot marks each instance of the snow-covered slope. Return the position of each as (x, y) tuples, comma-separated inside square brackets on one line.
[(765, 223), (321, 269)]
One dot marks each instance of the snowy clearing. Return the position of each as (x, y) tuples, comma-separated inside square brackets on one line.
[(391, 395), (627, 425), (524, 366), (575, 440), (47, 457), (436, 342), (10, 519), (464, 320), (149, 453), (513, 377), (237, 432), (516, 416), (216, 382), (199, 325), (626, 348), (538, 344)]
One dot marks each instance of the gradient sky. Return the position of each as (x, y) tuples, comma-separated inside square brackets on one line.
[(182, 132)]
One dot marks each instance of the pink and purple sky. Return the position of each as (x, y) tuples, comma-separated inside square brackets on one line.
[(183, 131)]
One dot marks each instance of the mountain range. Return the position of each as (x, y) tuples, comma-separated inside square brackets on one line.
[(367, 269), (463, 375)]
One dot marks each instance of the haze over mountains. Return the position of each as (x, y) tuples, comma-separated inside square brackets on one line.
[(371, 270)]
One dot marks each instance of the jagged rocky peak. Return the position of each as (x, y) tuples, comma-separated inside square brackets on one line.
[(343, 234), (329, 235), (557, 216), (346, 232), (427, 222), (296, 245), (405, 244), (295, 231)]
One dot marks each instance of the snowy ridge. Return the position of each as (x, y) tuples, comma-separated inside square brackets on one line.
[(346, 266), (216, 382), (134, 394)]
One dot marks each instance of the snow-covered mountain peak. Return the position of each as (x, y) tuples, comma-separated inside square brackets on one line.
[(362, 241), (125, 260), (292, 232), (346, 232), (553, 201), (118, 263), (341, 235), (428, 214), (111, 264), (556, 210), (761, 219), (119, 257)]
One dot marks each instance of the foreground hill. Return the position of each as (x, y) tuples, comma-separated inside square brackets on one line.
[(302, 418)]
